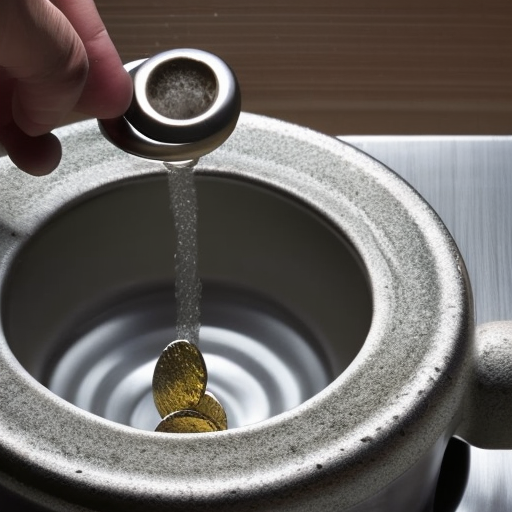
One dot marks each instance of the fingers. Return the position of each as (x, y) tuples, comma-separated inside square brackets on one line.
[(48, 61), (43, 67), (108, 88), (35, 155), (54, 58)]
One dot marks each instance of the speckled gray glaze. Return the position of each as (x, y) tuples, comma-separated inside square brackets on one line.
[(383, 422), (488, 410)]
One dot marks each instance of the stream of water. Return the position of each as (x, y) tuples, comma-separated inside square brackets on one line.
[(183, 201)]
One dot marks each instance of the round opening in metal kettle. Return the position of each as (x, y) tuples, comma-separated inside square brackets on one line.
[(89, 302), (181, 89)]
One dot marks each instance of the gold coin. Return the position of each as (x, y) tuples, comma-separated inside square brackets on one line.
[(186, 422), (211, 408), (179, 380)]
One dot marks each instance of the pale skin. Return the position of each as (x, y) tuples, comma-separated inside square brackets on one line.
[(55, 57)]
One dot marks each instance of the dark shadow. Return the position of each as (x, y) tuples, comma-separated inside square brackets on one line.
[(453, 476)]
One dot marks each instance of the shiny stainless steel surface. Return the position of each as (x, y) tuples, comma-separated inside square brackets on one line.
[(468, 181), (185, 104), (108, 369)]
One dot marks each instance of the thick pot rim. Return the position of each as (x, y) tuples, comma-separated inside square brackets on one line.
[(400, 395)]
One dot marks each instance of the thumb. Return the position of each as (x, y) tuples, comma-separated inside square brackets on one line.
[(40, 50)]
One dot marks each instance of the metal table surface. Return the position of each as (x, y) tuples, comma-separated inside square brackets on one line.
[(468, 181)]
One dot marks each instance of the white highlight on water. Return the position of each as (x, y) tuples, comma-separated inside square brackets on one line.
[(188, 285)]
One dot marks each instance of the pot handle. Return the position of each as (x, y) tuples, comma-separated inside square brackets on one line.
[(487, 411)]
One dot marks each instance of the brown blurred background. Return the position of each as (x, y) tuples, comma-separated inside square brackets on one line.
[(344, 66)]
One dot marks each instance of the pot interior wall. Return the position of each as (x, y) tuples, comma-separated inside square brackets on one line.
[(89, 301)]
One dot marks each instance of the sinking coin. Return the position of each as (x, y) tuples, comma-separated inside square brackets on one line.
[(211, 408), (186, 422), (179, 380)]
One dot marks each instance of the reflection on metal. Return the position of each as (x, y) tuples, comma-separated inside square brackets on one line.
[(468, 181), (179, 385), (156, 126)]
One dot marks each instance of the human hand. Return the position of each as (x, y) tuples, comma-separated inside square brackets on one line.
[(55, 57)]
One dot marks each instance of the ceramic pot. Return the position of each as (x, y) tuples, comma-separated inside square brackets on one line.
[(339, 275)]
